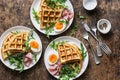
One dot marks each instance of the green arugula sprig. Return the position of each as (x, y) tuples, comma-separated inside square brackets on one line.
[(35, 56), (54, 45), (49, 28), (83, 51), (15, 32), (67, 71), (74, 29), (54, 3), (27, 47), (81, 17), (35, 15), (17, 61)]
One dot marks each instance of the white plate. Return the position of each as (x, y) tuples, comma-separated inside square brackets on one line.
[(19, 28), (36, 4), (71, 40)]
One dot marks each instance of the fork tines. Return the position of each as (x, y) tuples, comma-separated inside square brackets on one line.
[(105, 48)]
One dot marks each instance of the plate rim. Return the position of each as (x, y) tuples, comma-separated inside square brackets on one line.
[(52, 33), (6, 33), (58, 38)]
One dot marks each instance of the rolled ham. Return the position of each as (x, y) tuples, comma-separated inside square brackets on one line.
[(67, 14)]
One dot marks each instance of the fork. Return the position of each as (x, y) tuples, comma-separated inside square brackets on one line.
[(94, 29), (86, 37), (103, 46)]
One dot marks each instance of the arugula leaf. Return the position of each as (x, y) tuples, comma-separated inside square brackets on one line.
[(83, 51), (15, 32), (74, 29), (67, 71), (81, 17), (49, 29), (35, 15), (35, 56), (54, 45), (64, 21), (54, 3), (62, 5), (26, 44), (17, 61)]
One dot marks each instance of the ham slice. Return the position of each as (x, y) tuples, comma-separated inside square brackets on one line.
[(54, 69), (27, 63), (29, 55), (67, 14), (28, 59)]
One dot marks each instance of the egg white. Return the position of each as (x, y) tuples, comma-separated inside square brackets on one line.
[(64, 26), (49, 56), (34, 49)]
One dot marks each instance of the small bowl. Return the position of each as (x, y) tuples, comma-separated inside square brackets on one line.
[(105, 29), (89, 4)]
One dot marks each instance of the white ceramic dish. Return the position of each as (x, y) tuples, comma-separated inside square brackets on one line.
[(20, 28), (70, 40), (101, 22), (89, 4), (36, 4)]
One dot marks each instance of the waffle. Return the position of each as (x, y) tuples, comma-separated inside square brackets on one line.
[(69, 53), (13, 43), (47, 14)]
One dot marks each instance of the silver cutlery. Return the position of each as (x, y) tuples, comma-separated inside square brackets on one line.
[(94, 29), (103, 46), (86, 37)]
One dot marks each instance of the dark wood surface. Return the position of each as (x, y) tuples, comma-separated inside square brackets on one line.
[(16, 12)]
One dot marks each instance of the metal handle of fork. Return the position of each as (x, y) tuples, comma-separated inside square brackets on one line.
[(94, 36), (97, 61), (99, 52)]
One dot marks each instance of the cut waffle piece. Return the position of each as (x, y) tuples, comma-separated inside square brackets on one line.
[(68, 53), (5, 45), (47, 14), (13, 43)]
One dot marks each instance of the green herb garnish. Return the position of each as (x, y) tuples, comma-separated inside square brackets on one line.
[(35, 56), (81, 17), (83, 51), (64, 21), (49, 28), (17, 61), (54, 3), (54, 45), (26, 44), (35, 15), (67, 71), (15, 32), (74, 29)]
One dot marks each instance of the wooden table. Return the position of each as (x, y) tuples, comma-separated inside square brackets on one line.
[(16, 12)]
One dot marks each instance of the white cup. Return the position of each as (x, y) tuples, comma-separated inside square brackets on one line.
[(89, 4)]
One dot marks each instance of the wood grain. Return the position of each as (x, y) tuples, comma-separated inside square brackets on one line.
[(16, 12)]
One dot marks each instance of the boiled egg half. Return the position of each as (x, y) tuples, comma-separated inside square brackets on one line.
[(52, 58), (34, 45), (60, 26)]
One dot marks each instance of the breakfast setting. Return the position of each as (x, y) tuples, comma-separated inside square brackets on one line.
[(59, 40)]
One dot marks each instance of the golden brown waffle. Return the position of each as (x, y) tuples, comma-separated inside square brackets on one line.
[(5, 45), (69, 53), (13, 43), (47, 14)]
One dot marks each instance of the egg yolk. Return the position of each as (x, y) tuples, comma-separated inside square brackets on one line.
[(59, 25), (52, 58), (34, 44)]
